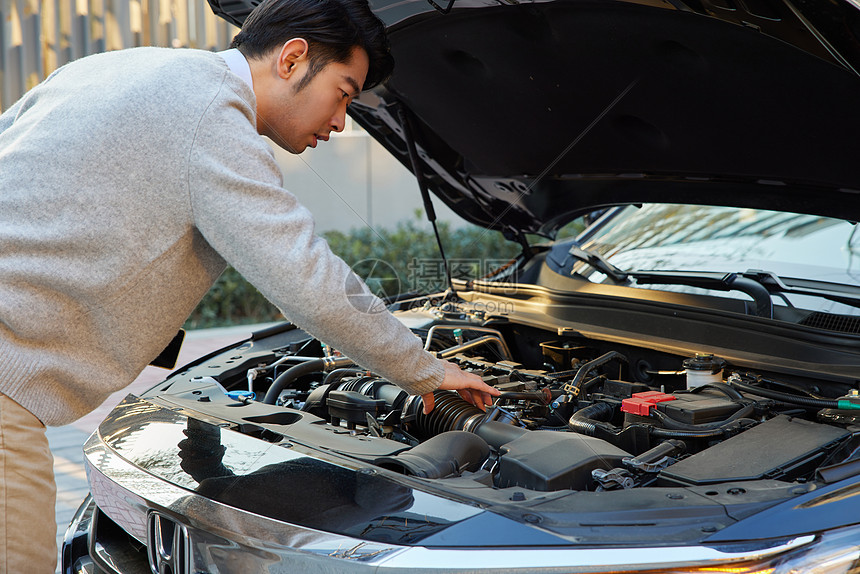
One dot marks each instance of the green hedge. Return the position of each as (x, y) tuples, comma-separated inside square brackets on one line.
[(410, 250)]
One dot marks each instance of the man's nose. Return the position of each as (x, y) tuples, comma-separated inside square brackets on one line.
[(338, 121)]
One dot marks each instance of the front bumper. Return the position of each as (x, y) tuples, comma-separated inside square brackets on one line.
[(117, 532)]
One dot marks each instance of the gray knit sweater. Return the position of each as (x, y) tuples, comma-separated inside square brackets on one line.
[(127, 181)]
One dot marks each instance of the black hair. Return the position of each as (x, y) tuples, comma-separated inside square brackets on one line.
[(332, 28)]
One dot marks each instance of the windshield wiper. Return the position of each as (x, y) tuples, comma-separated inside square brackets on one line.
[(758, 284), (717, 281), (705, 280), (598, 262), (846, 294)]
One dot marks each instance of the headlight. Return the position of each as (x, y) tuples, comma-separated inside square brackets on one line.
[(836, 552)]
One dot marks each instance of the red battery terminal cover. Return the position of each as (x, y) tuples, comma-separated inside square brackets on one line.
[(641, 403)]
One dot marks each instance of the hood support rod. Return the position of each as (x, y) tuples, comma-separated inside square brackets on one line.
[(408, 135)]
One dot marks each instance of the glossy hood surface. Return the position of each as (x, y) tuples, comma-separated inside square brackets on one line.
[(525, 114)]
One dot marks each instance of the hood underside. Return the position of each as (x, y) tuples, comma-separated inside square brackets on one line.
[(527, 114)]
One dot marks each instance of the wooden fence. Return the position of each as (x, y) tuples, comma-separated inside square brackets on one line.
[(38, 36)]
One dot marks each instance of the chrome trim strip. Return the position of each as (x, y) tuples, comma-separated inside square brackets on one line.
[(222, 535)]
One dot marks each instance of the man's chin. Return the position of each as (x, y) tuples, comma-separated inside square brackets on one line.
[(294, 149)]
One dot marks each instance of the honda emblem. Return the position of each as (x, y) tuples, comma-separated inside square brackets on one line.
[(168, 545)]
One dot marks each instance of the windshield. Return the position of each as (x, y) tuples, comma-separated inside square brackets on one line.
[(721, 239)]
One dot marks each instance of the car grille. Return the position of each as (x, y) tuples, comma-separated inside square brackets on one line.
[(114, 550)]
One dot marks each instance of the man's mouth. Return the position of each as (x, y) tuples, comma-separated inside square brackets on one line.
[(319, 138)]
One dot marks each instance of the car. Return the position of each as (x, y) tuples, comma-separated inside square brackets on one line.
[(680, 382)]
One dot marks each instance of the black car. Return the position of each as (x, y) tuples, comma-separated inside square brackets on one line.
[(680, 383)]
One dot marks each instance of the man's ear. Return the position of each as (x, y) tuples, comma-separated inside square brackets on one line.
[(293, 53)]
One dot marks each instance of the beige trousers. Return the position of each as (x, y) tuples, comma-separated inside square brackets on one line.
[(28, 528)]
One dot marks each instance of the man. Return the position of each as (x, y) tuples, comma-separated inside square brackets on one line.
[(129, 181)]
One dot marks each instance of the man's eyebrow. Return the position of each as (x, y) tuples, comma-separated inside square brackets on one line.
[(351, 81)]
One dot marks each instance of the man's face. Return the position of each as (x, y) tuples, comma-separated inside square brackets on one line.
[(297, 117)]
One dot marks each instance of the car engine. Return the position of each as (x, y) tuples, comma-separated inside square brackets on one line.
[(574, 415)]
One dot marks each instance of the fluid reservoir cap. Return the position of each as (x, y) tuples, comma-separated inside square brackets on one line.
[(705, 362), (703, 369)]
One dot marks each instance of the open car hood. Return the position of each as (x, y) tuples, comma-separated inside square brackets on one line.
[(525, 115)]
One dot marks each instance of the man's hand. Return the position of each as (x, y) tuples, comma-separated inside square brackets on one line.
[(469, 385)]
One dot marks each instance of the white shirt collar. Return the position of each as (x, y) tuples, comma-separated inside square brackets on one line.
[(238, 65)]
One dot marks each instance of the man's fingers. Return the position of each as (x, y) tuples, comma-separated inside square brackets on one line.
[(429, 403), (486, 398), (478, 398), (468, 385), (475, 397)]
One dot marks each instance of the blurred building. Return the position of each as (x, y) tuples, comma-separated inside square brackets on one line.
[(348, 182), (38, 36), (351, 181)]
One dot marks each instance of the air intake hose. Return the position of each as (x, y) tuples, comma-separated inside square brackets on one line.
[(450, 412), (444, 455)]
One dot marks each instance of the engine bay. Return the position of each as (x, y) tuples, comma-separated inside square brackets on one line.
[(573, 415)]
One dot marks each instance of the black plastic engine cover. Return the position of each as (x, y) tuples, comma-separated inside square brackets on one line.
[(782, 448), (549, 461)]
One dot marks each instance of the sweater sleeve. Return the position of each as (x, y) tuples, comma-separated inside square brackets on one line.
[(243, 212), (8, 117)]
